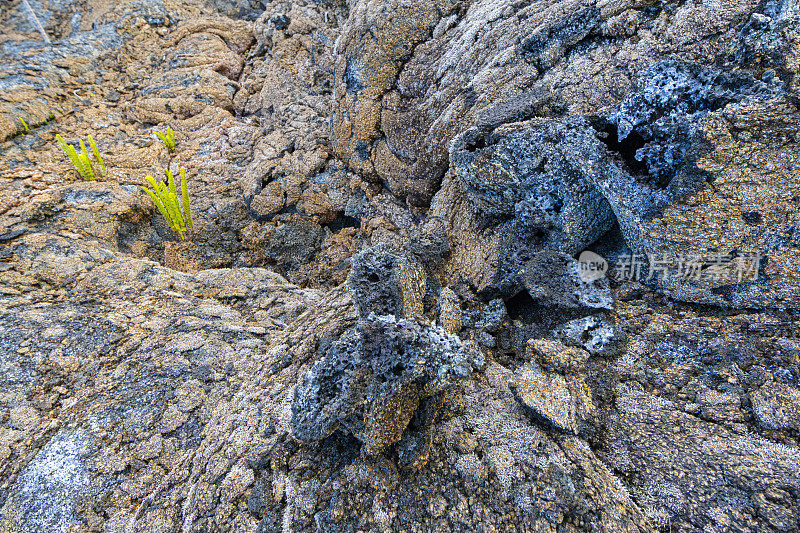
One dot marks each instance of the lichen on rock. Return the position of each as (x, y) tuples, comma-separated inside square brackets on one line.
[(382, 323), (371, 381), (391, 368)]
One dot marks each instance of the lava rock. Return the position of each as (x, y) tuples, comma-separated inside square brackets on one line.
[(371, 381), (660, 117), (562, 403), (554, 356), (526, 174), (552, 280), (450, 314), (595, 333), (47, 493), (488, 318), (776, 406), (386, 283)]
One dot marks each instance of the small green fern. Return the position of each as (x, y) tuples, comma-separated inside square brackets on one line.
[(24, 125), (99, 159), (81, 161), (168, 138), (177, 213)]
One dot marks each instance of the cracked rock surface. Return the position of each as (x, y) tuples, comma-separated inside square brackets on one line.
[(380, 322)]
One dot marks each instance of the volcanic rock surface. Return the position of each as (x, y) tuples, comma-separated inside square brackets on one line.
[(380, 322)]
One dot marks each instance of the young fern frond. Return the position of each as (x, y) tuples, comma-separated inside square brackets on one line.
[(24, 125), (85, 161), (185, 197), (73, 156), (153, 194), (168, 138), (81, 160), (176, 213), (173, 203), (103, 172)]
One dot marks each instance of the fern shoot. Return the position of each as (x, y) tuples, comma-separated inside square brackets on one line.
[(81, 160), (177, 213), (97, 156), (24, 125), (86, 163), (168, 138), (185, 200)]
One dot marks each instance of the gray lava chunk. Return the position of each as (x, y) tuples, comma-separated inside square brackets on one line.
[(517, 190), (488, 318), (596, 333), (533, 174), (371, 381), (552, 279), (386, 283), (664, 113)]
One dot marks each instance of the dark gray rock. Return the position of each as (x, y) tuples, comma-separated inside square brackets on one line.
[(548, 44), (291, 245), (765, 44), (519, 189), (371, 381), (675, 190), (552, 280), (386, 283), (561, 184), (488, 318), (531, 177)]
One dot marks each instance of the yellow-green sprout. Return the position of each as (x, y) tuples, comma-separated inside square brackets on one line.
[(24, 125), (81, 161), (168, 138), (99, 159), (176, 213)]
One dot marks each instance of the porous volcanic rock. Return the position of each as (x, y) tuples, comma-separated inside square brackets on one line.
[(379, 323)]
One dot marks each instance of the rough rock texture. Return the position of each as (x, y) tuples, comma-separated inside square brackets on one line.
[(555, 401), (775, 407), (431, 70), (385, 283), (650, 163), (379, 323), (372, 380)]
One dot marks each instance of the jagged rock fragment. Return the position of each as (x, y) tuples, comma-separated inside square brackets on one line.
[(371, 381), (596, 333), (559, 402), (552, 280), (386, 283), (556, 357)]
